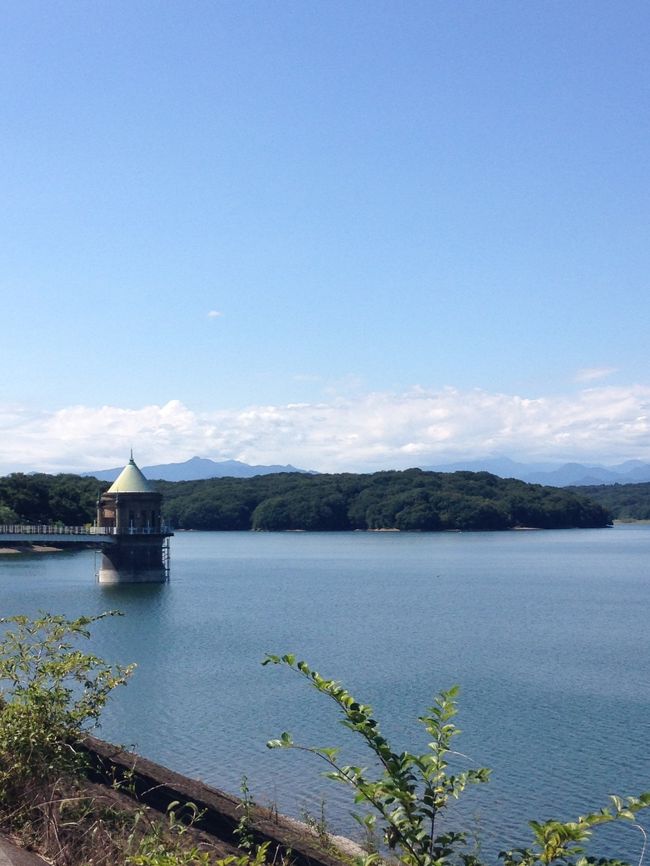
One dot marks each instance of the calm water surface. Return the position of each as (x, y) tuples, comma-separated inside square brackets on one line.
[(547, 633)]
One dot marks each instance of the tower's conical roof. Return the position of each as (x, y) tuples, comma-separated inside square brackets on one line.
[(131, 480)]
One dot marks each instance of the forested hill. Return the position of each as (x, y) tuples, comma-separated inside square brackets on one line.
[(41, 498), (623, 501), (411, 500)]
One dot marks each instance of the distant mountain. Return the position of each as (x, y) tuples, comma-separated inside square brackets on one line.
[(499, 465), (195, 469), (554, 474)]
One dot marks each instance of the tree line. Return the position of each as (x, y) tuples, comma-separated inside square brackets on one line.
[(623, 501), (41, 498), (412, 500)]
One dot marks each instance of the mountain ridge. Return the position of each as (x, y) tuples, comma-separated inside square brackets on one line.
[(551, 474), (198, 469)]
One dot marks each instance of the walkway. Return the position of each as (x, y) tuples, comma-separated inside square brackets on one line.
[(98, 535), (35, 533)]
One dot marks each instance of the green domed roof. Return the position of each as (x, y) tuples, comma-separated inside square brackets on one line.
[(131, 480)]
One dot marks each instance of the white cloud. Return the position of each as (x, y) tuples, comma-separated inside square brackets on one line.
[(592, 374), (214, 314), (377, 430), (307, 377)]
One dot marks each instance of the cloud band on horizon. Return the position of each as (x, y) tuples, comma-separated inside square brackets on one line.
[(380, 430)]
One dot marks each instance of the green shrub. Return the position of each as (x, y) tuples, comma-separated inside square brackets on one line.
[(412, 792), (51, 694)]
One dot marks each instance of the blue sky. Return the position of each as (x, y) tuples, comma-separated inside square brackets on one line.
[(342, 235)]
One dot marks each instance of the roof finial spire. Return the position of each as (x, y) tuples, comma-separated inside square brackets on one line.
[(132, 460)]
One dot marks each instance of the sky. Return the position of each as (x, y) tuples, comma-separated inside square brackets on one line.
[(345, 236)]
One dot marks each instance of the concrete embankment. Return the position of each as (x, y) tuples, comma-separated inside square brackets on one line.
[(219, 812), (10, 855)]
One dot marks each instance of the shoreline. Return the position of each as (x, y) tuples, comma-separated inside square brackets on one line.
[(219, 812), (26, 548)]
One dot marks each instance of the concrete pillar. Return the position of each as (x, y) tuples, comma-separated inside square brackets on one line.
[(134, 559)]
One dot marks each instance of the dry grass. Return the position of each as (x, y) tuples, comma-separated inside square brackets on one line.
[(75, 823)]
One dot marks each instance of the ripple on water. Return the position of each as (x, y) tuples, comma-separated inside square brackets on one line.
[(545, 632)]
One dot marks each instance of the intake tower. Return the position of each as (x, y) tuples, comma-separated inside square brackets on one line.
[(130, 511)]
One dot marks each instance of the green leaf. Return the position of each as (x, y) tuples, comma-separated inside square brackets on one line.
[(413, 792)]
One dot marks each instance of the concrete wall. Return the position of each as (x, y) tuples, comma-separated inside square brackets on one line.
[(157, 786)]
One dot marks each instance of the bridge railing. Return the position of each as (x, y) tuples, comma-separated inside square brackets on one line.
[(54, 529)]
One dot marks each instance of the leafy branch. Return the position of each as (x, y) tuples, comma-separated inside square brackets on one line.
[(413, 791), (51, 694)]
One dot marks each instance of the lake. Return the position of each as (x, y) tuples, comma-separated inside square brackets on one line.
[(547, 634)]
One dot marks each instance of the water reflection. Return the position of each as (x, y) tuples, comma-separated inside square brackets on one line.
[(546, 633)]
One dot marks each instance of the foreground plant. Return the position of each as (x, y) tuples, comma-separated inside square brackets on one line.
[(51, 695), (413, 792)]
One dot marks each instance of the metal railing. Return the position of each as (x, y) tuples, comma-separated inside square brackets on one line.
[(54, 529)]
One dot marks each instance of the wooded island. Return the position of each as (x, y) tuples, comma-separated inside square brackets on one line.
[(411, 500)]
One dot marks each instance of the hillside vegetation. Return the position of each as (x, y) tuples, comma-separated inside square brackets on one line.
[(41, 498), (411, 500), (623, 501)]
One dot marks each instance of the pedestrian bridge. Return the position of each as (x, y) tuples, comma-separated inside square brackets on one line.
[(49, 533)]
